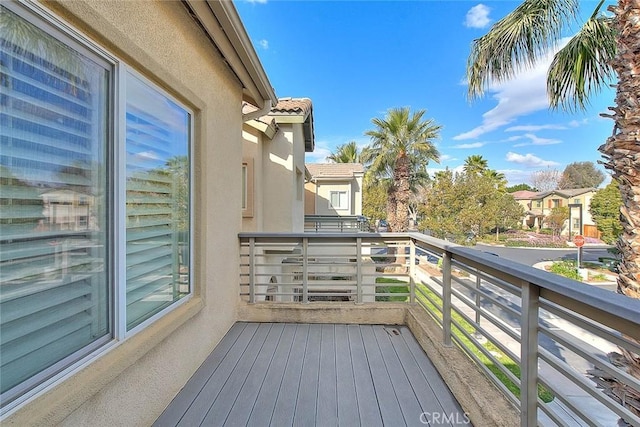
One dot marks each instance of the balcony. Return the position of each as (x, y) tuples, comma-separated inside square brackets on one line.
[(498, 342)]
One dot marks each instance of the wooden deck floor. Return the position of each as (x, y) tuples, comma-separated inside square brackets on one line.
[(264, 374)]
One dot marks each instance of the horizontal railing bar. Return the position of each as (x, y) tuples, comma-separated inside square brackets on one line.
[(589, 387), (472, 288), (587, 355), (589, 325), (490, 337), (496, 381)]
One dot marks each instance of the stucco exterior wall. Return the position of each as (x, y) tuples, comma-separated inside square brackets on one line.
[(325, 187), (278, 176), (252, 145), (132, 382)]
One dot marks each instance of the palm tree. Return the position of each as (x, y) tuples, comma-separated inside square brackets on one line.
[(475, 164), (401, 147), (346, 153), (603, 45)]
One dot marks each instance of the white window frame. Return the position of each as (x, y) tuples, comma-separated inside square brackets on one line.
[(116, 189), (347, 198)]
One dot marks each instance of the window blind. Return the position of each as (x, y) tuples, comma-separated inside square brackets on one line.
[(53, 118)]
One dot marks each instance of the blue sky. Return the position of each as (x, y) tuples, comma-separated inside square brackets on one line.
[(357, 59)]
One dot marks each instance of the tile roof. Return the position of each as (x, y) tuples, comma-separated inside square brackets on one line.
[(334, 170), (524, 194), (532, 195), (294, 106)]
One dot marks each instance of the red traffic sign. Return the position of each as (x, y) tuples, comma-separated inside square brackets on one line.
[(579, 240)]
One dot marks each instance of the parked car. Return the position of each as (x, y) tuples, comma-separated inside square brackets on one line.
[(383, 226)]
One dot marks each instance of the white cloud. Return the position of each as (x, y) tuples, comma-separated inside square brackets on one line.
[(470, 145), (535, 140), (264, 44), (446, 158), (516, 176), (477, 17), (529, 160), (535, 128), (319, 155), (522, 95), (257, 1)]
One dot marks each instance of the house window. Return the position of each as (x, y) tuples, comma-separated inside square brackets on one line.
[(247, 188), (538, 203), (576, 201), (556, 203), (80, 198), (339, 200)]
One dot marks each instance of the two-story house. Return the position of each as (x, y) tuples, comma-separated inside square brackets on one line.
[(538, 205), (334, 189)]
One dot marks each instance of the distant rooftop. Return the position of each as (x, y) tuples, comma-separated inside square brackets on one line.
[(334, 170)]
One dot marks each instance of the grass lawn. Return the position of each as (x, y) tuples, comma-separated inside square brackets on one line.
[(543, 393), (392, 286)]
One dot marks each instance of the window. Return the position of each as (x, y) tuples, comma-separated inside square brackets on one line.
[(339, 200), (576, 201), (556, 203), (538, 203), (69, 216)]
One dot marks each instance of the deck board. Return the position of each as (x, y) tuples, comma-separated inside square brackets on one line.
[(312, 375)]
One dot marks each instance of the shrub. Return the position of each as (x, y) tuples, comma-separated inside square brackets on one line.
[(566, 269)]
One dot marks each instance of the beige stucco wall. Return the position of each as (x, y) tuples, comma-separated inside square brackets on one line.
[(133, 382), (283, 180), (354, 188), (253, 142)]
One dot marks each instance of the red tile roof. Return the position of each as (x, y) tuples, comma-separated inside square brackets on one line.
[(301, 106)]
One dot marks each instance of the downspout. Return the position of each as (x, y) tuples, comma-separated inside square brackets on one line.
[(266, 108)]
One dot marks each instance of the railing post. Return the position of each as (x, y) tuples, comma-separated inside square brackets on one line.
[(412, 271), (305, 270), (529, 355), (252, 273), (359, 270), (446, 298)]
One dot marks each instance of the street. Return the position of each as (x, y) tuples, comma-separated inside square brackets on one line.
[(531, 256)]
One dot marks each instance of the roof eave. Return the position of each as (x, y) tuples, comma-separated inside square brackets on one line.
[(220, 20)]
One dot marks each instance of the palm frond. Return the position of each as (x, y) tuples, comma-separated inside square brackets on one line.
[(582, 67), (516, 41)]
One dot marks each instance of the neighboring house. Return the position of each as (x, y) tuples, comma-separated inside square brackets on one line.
[(273, 169), (537, 205), (335, 189), (136, 105)]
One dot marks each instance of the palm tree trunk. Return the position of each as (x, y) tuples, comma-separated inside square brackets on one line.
[(401, 176), (622, 149), (622, 154)]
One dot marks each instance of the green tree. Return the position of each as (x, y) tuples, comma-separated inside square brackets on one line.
[(507, 213), (520, 187), (401, 144), (580, 175), (605, 210), (346, 153), (441, 206), (475, 164), (374, 202), (556, 218), (602, 46)]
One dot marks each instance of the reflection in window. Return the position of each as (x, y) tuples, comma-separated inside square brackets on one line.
[(54, 291), (157, 186)]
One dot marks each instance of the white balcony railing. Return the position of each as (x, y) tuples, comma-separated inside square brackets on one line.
[(541, 338)]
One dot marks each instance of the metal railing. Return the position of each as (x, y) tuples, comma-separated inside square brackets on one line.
[(335, 224), (543, 339)]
